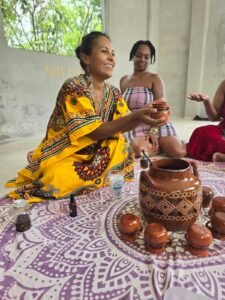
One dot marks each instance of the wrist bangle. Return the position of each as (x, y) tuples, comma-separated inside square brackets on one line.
[(154, 130)]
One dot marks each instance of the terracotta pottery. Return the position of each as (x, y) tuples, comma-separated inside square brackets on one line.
[(199, 239), (156, 237), (129, 225), (218, 222), (218, 204), (162, 111), (170, 193), (161, 106), (207, 196)]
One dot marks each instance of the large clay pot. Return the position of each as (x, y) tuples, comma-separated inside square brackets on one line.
[(170, 193)]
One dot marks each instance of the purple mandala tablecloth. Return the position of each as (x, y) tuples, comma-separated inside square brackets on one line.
[(61, 257)]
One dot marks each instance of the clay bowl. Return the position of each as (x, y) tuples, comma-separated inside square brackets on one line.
[(162, 111), (207, 196), (160, 106), (156, 237), (218, 204), (199, 239), (162, 114), (129, 225)]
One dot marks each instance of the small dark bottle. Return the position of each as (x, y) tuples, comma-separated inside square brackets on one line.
[(23, 222), (143, 162), (22, 218), (73, 206)]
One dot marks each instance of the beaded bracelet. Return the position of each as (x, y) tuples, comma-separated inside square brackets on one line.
[(154, 130)]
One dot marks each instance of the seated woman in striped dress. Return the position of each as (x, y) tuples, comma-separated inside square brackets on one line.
[(139, 89)]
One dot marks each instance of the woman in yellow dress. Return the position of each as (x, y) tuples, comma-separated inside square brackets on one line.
[(83, 139)]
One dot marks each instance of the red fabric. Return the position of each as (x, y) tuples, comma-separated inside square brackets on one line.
[(205, 141)]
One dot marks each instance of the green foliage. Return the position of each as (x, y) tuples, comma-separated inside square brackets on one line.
[(53, 26)]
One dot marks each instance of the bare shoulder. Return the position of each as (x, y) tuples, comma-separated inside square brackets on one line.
[(155, 77), (124, 78), (154, 80), (123, 82), (222, 85), (220, 91)]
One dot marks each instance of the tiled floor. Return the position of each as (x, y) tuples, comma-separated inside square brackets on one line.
[(13, 153)]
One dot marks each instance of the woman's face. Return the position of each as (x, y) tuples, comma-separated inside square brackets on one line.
[(101, 61), (142, 58)]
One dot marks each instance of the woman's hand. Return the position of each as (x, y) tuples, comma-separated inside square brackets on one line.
[(127, 123), (154, 140), (198, 97), (143, 115)]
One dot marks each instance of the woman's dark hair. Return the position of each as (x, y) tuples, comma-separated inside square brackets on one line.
[(139, 43), (86, 45)]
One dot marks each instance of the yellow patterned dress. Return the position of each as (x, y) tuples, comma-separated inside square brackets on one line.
[(68, 160)]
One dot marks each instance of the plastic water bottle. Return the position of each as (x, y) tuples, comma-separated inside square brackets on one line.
[(116, 185)]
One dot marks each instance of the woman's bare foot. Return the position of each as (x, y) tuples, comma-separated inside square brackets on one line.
[(217, 156)]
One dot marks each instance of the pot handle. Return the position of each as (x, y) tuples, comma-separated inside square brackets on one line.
[(145, 176), (195, 168)]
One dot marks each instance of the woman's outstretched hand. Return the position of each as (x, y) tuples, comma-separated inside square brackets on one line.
[(143, 115), (198, 97)]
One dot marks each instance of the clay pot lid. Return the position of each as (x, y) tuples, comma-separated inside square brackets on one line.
[(155, 233), (198, 236), (218, 204), (218, 222), (129, 223), (207, 196), (161, 106), (160, 114)]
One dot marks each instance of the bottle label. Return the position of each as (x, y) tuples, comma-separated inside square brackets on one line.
[(116, 184)]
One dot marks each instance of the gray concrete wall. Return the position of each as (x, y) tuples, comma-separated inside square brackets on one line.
[(173, 46), (189, 36), (206, 61), (29, 83)]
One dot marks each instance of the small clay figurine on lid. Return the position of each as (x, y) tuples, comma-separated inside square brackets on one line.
[(199, 239), (129, 226), (156, 237)]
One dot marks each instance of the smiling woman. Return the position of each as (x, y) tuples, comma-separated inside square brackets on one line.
[(83, 141)]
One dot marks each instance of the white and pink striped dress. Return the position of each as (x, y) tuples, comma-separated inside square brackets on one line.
[(136, 98)]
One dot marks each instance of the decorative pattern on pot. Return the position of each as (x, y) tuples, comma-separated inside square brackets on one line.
[(170, 193)]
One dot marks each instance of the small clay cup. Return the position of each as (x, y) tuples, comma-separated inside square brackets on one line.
[(160, 106), (199, 239), (129, 225), (218, 204), (160, 114), (162, 111), (156, 237), (207, 196), (218, 222)]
